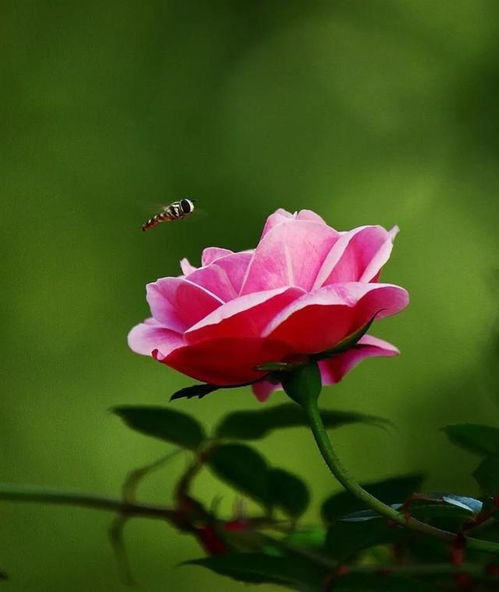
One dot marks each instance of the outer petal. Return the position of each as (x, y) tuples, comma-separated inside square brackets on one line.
[(263, 389), (225, 361), (333, 369), (186, 266), (150, 335), (290, 254), (319, 320), (210, 254), (245, 316), (276, 218), (357, 256), (281, 215), (178, 303), (309, 215), (224, 276)]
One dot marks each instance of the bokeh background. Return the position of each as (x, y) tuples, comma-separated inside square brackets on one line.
[(379, 111)]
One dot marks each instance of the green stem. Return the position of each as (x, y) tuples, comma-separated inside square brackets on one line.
[(27, 493), (341, 473)]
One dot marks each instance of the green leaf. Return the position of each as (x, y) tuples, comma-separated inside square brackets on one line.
[(163, 423), (196, 390), (258, 568), (306, 538), (302, 384), (253, 425), (479, 439), (288, 492), (447, 510), (487, 474), (243, 468), (390, 491), (346, 539), (380, 583)]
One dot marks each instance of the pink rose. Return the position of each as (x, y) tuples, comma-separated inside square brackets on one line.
[(302, 290)]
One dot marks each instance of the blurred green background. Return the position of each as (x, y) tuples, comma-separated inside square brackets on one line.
[(379, 111)]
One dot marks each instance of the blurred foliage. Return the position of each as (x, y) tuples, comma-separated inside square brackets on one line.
[(367, 112)]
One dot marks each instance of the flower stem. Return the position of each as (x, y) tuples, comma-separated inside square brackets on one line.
[(341, 473), (29, 493)]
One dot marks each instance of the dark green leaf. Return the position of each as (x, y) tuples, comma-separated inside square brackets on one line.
[(390, 491), (260, 568), (346, 539), (196, 390), (480, 439), (380, 583), (302, 384), (436, 506), (306, 538), (165, 424), (288, 492), (243, 468), (347, 343), (252, 425), (487, 474)]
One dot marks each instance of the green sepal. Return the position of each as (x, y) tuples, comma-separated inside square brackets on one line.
[(303, 384), (196, 390)]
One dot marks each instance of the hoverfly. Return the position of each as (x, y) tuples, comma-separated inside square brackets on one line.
[(177, 210)]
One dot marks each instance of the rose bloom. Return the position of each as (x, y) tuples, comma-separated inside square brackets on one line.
[(304, 289)]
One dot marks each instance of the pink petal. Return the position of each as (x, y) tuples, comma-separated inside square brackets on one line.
[(186, 266), (225, 361), (290, 254), (214, 279), (224, 276), (210, 254), (333, 369), (178, 303), (358, 255), (276, 218), (281, 215), (150, 335), (319, 320), (236, 266), (245, 316), (264, 388), (309, 215)]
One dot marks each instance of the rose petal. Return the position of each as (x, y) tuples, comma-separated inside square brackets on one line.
[(210, 254), (225, 361), (357, 255), (276, 218), (214, 279), (150, 335), (178, 303), (245, 316), (264, 388), (319, 320), (333, 369), (281, 215), (290, 254), (186, 266), (224, 276)]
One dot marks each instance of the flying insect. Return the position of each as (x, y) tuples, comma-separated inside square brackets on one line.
[(178, 210)]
